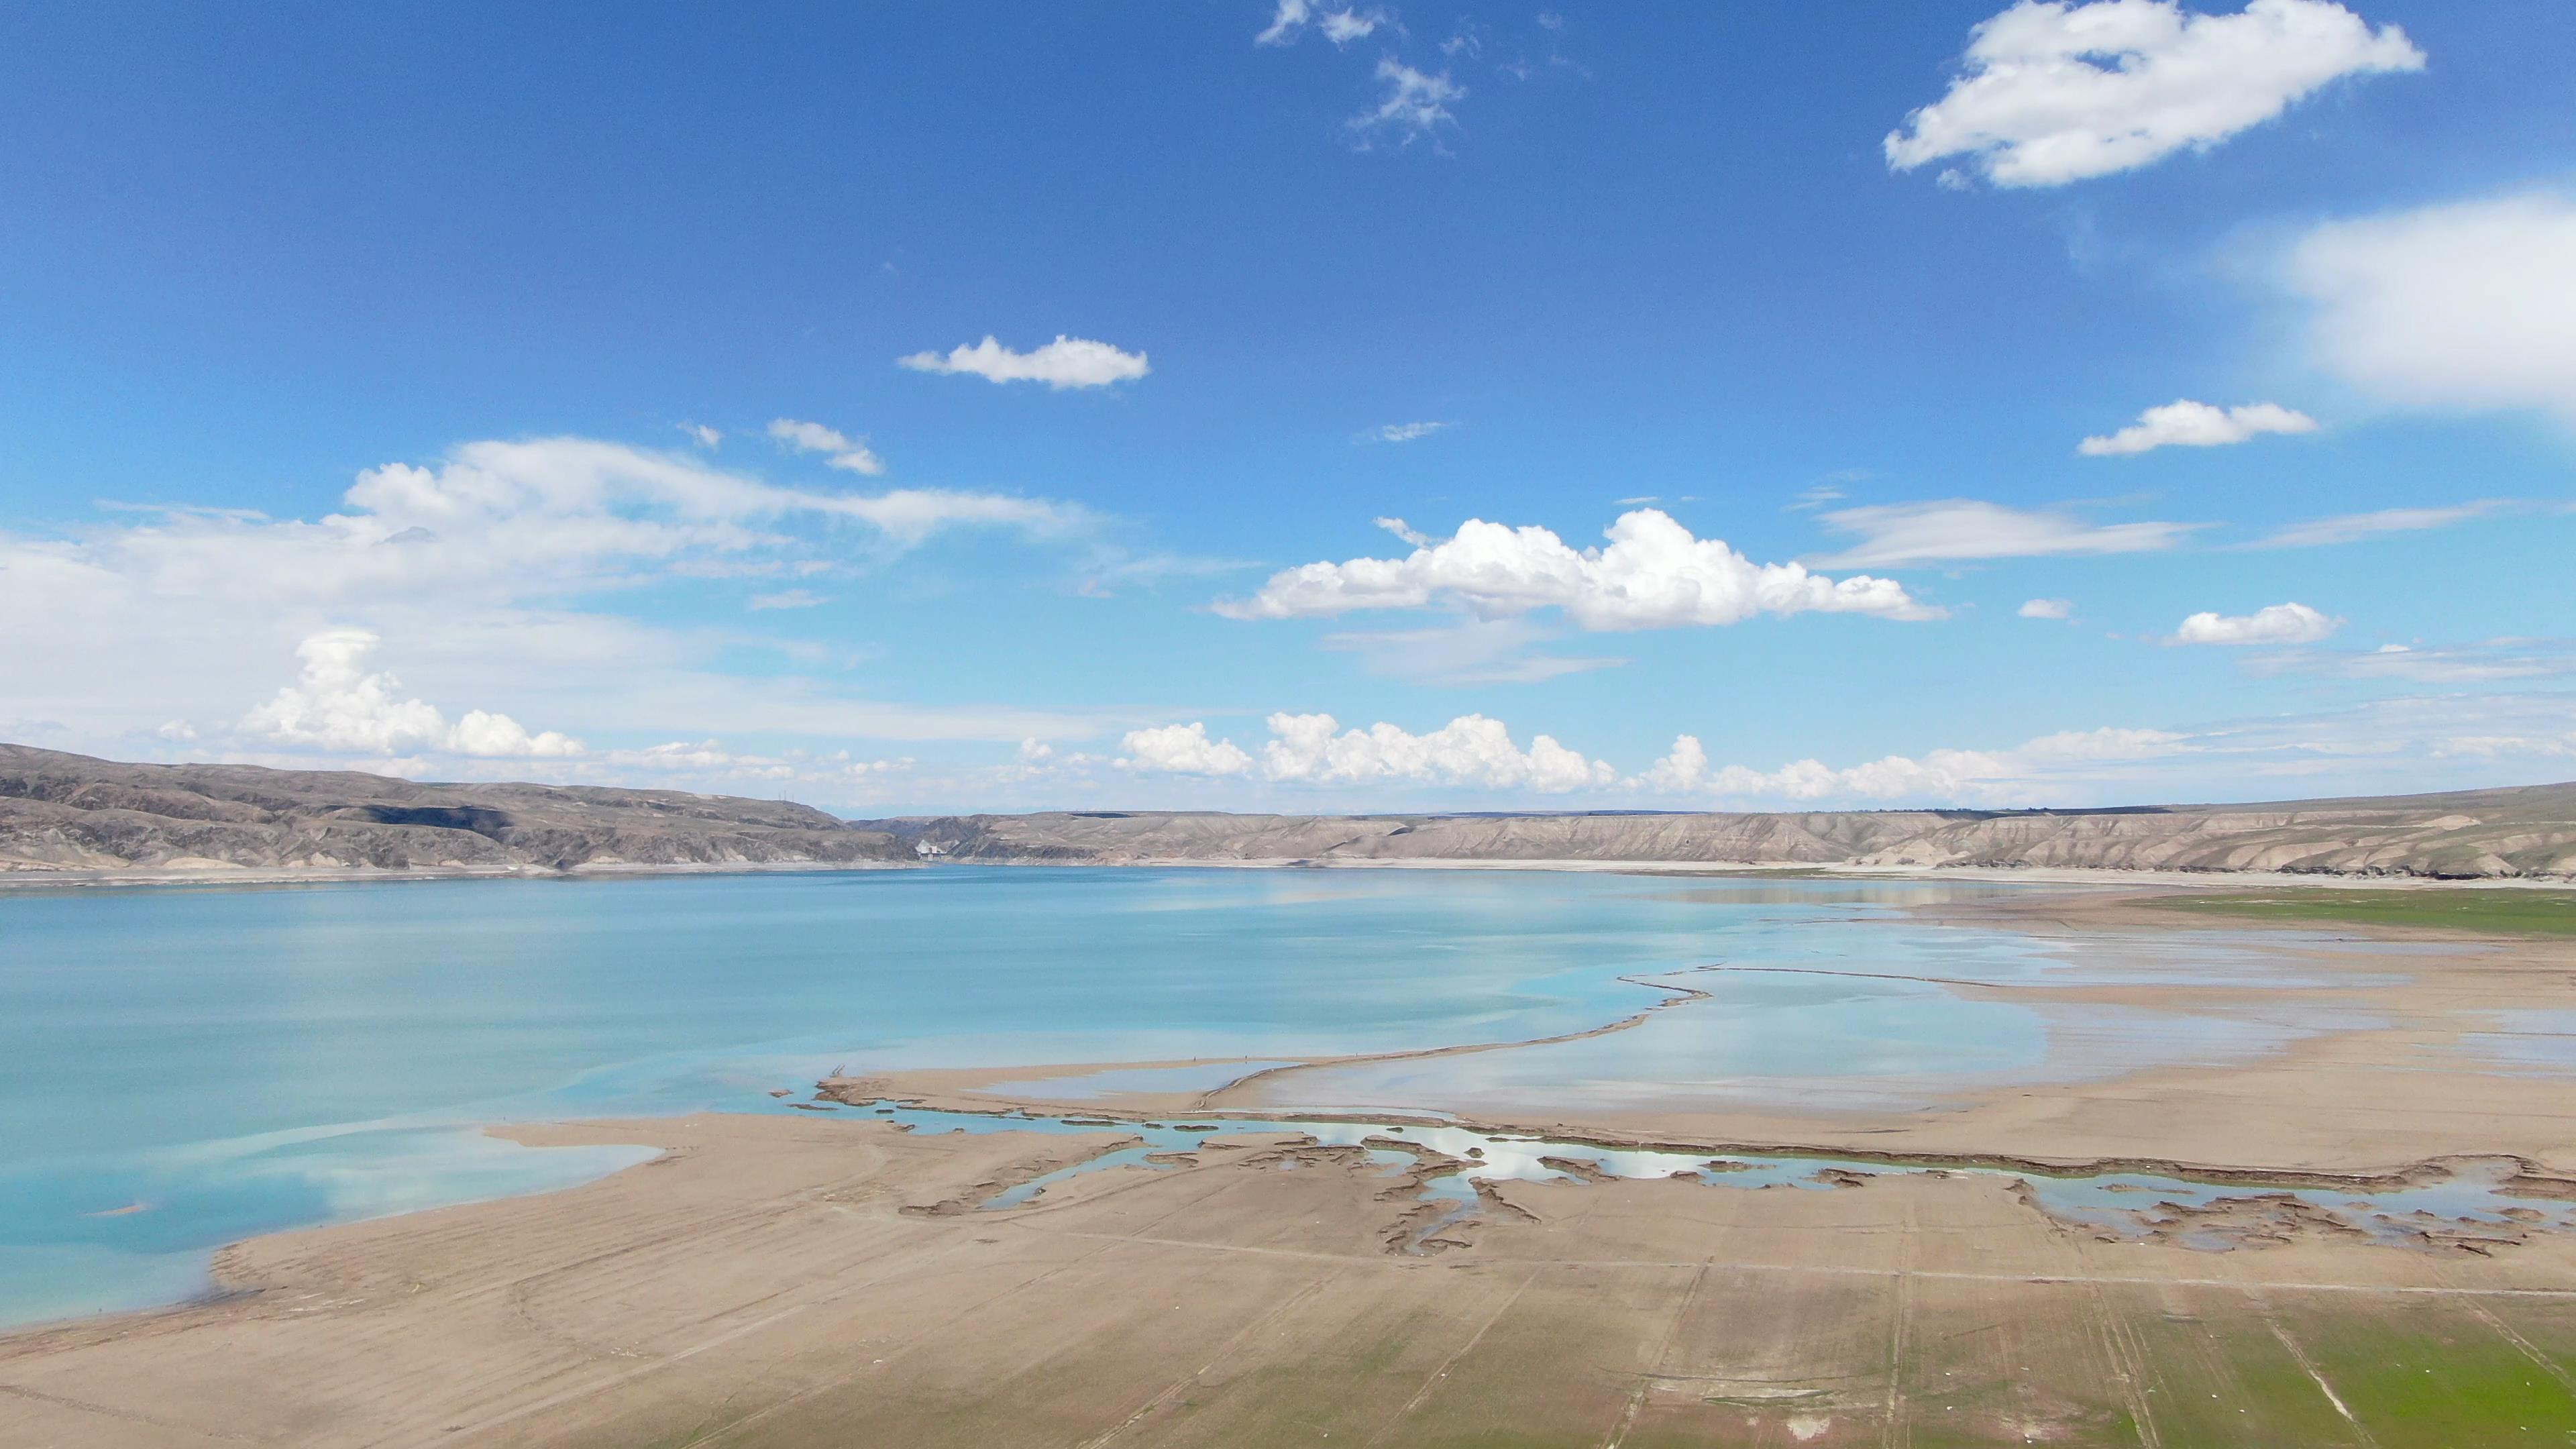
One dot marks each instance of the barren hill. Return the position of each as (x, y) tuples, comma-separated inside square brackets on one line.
[(61, 812), (2529, 831)]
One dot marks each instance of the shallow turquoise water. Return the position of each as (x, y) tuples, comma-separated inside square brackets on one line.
[(2131, 1204), (180, 1067)]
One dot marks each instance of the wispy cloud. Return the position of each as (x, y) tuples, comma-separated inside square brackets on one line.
[(850, 455), (1401, 432), (1475, 651), (2354, 527), (2490, 661), (1958, 530), (1414, 104)]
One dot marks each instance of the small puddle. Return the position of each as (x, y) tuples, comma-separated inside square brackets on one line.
[(2471, 1202)]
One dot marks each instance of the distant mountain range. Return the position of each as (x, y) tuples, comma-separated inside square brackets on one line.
[(70, 813)]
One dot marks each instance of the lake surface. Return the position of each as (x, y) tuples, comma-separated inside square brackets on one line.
[(181, 1066)]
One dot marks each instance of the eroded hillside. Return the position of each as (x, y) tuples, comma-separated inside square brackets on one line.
[(2473, 834), (62, 812)]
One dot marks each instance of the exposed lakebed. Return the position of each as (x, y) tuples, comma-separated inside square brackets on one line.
[(2477, 1202)]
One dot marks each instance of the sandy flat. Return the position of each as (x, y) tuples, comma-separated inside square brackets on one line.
[(787, 1281)]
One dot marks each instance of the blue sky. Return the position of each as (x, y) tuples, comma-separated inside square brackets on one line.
[(479, 393)]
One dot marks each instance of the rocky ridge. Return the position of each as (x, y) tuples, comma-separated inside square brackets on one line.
[(2480, 834), (63, 812)]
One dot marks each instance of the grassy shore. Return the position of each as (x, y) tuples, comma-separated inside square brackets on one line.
[(2511, 912)]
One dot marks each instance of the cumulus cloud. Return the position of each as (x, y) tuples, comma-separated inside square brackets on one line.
[(2353, 527), (2184, 423), (2272, 624), (1414, 104), (338, 706), (1182, 750), (702, 435), (2467, 305), (1652, 575), (2052, 93), (851, 455), (1895, 535), (1067, 362), (1401, 432), (1469, 750), (1314, 750), (2047, 609)]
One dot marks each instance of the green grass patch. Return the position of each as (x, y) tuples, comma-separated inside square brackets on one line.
[(2484, 910)]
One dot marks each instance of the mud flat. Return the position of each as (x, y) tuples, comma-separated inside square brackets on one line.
[(796, 1281)]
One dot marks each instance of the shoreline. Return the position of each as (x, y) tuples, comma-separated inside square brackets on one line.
[(16, 877), (23, 876)]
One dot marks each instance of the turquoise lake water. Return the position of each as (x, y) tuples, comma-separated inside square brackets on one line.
[(181, 1067)]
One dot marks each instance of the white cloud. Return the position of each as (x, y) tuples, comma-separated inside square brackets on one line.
[(1894, 535), (2467, 305), (1469, 750), (2191, 424), (2047, 609), (1401, 432), (1415, 103), (1314, 750), (702, 435), (1067, 362), (712, 762), (336, 705), (1653, 575), (1341, 27), (501, 567), (1286, 23), (2272, 624), (851, 455), (2053, 93), (1182, 750), (2028, 774), (2353, 527), (787, 599)]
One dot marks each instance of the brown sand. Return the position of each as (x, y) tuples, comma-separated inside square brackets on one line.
[(788, 1281)]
